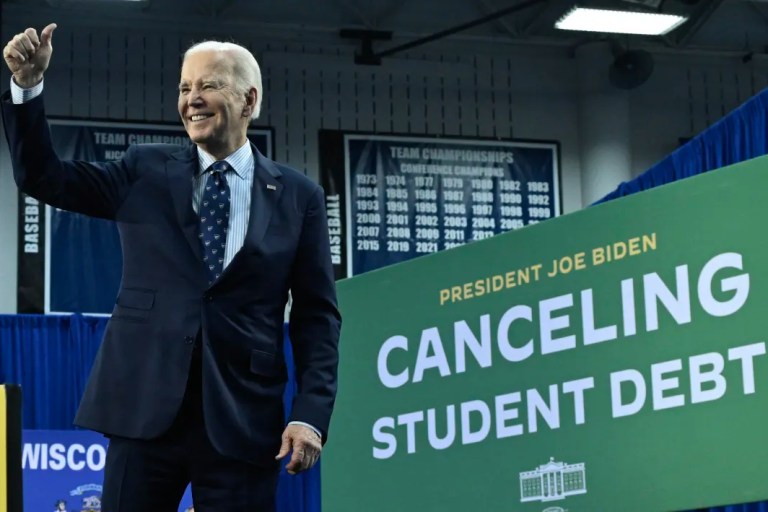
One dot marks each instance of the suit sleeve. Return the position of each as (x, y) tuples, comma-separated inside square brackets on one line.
[(95, 189), (315, 321)]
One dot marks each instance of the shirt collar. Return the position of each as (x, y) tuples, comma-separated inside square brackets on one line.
[(241, 160)]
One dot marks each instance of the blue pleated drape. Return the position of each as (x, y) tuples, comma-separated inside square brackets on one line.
[(748, 507), (51, 357), (739, 136)]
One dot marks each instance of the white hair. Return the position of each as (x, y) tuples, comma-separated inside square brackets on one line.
[(246, 70)]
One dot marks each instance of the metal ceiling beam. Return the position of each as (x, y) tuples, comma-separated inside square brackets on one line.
[(699, 17), (546, 17), (486, 8), (459, 28)]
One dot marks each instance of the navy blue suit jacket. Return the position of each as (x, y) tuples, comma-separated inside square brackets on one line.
[(140, 373)]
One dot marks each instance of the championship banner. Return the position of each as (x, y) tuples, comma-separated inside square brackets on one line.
[(611, 359), (64, 471), (10, 449), (393, 198), (70, 263)]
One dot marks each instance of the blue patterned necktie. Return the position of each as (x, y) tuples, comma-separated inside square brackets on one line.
[(214, 219)]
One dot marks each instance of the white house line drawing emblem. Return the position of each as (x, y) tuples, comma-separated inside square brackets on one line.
[(553, 481)]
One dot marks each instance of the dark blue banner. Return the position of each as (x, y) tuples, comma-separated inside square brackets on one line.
[(74, 264), (64, 471), (404, 197)]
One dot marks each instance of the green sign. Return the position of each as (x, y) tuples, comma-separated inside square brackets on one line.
[(611, 359)]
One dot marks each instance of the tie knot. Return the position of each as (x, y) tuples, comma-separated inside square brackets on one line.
[(220, 166)]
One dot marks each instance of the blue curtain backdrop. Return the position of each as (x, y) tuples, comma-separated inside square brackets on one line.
[(51, 357), (739, 136)]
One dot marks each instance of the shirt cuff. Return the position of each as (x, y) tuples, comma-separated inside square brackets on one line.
[(19, 95), (308, 426)]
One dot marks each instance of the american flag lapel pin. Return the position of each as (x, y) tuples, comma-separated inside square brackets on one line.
[(271, 187)]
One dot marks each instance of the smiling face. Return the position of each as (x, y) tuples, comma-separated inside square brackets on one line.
[(215, 114)]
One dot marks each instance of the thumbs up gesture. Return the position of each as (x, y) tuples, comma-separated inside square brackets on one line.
[(28, 55)]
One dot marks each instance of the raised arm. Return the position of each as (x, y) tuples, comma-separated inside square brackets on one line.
[(95, 189)]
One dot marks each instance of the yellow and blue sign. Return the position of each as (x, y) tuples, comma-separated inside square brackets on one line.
[(10, 449)]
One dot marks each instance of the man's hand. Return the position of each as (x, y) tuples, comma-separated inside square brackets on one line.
[(306, 447), (28, 55)]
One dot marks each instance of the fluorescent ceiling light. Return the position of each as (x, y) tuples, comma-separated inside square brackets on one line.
[(619, 22)]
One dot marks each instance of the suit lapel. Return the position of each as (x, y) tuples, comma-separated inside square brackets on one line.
[(181, 170), (265, 194)]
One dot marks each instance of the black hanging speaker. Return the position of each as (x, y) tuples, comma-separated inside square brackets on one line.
[(631, 69)]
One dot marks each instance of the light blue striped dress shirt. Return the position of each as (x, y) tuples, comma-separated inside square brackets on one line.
[(240, 180), (19, 95)]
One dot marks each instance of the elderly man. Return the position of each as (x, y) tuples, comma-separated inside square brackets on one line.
[(189, 379)]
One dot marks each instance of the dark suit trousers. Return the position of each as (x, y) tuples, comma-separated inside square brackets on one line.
[(153, 474)]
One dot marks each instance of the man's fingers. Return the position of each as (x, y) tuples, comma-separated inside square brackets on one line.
[(28, 54), (9, 52), (22, 42), (305, 444), (302, 460), (304, 456), (310, 459), (32, 35), (284, 448), (296, 463), (47, 34)]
